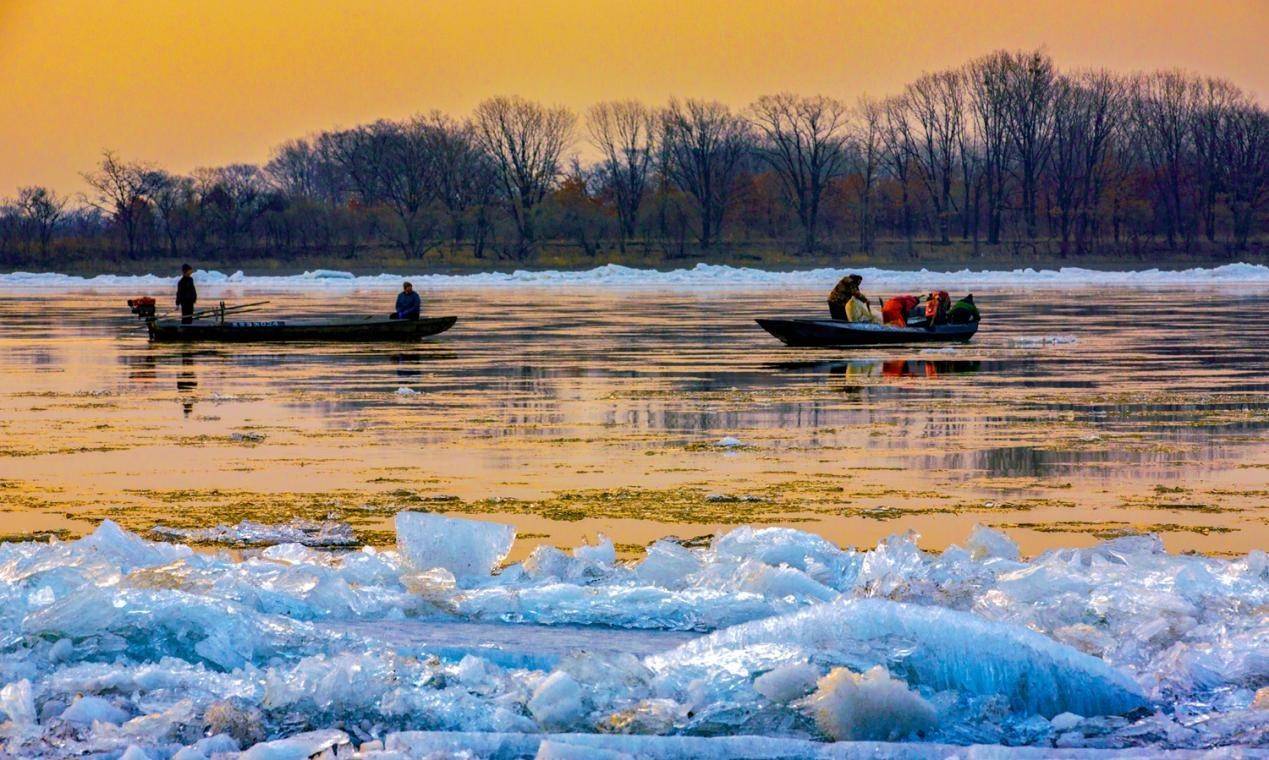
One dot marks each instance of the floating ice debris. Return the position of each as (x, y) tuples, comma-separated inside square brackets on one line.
[(729, 442), (248, 533), (869, 706), (466, 548), (113, 642), (726, 498), (404, 391), (1032, 341)]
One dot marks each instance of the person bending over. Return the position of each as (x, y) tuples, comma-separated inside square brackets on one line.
[(847, 303), (963, 311)]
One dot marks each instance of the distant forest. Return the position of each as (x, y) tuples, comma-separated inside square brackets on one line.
[(1007, 154)]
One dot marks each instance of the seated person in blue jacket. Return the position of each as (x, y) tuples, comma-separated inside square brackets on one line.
[(408, 303)]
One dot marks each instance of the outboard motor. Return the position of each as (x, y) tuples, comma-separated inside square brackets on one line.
[(144, 307)]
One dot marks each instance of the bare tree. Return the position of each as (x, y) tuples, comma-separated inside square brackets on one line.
[(405, 182), (1030, 85), (703, 144), (1087, 115), (624, 133), (804, 141), (1244, 157), (866, 142), (41, 208), (988, 106), (934, 106), (173, 198), (11, 223), (1162, 113), (1215, 101), (897, 148), (233, 197), (526, 141), (464, 175), (121, 191), (296, 168)]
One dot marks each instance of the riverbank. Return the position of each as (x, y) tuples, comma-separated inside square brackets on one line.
[(892, 255)]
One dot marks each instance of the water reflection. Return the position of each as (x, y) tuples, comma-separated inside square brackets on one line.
[(629, 387), (187, 383), (895, 367)]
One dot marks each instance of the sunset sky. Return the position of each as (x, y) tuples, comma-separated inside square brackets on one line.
[(189, 84)]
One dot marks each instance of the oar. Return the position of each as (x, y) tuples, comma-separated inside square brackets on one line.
[(217, 310)]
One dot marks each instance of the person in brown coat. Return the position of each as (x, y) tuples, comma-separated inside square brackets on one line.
[(845, 290)]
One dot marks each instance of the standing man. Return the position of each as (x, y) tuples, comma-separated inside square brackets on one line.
[(408, 303), (186, 295)]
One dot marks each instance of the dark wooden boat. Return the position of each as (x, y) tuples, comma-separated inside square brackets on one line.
[(339, 328), (835, 333)]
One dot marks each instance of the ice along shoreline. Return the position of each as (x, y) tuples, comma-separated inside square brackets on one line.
[(701, 276)]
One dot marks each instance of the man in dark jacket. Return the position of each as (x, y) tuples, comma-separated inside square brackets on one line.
[(408, 303), (186, 295)]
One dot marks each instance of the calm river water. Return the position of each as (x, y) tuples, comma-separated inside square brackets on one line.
[(1071, 416)]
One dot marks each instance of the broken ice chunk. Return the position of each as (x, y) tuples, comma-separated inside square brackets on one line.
[(602, 551), (298, 747), (668, 565), (558, 701), (787, 682), (17, 703), (985, 543), (88, 709), (466, 548), (932, 647), (873, 706)]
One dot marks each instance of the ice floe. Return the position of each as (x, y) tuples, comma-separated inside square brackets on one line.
[(700, 276), (768, 642), (249, 533)]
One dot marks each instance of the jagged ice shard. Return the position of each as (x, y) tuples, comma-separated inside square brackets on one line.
[(940, 649)]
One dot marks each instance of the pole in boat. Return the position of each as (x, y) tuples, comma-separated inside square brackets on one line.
[(221, 310)]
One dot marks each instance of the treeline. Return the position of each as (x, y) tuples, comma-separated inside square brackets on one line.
[(1007, 150)]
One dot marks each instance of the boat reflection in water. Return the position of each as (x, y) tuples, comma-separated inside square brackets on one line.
[(889, 368)]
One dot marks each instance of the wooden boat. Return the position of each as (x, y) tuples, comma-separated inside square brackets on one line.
[(339, 328), (835, 333)]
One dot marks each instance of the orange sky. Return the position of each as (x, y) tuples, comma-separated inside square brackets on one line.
[(188, 84)]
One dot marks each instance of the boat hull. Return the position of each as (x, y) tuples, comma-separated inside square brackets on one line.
[(833, 333), (351, 329)]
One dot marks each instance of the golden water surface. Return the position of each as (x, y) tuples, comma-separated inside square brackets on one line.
[(1071, 417)]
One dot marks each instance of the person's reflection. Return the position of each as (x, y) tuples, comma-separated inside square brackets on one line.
[(895, 368), (404, 362), (187, 383), (142, 367)]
